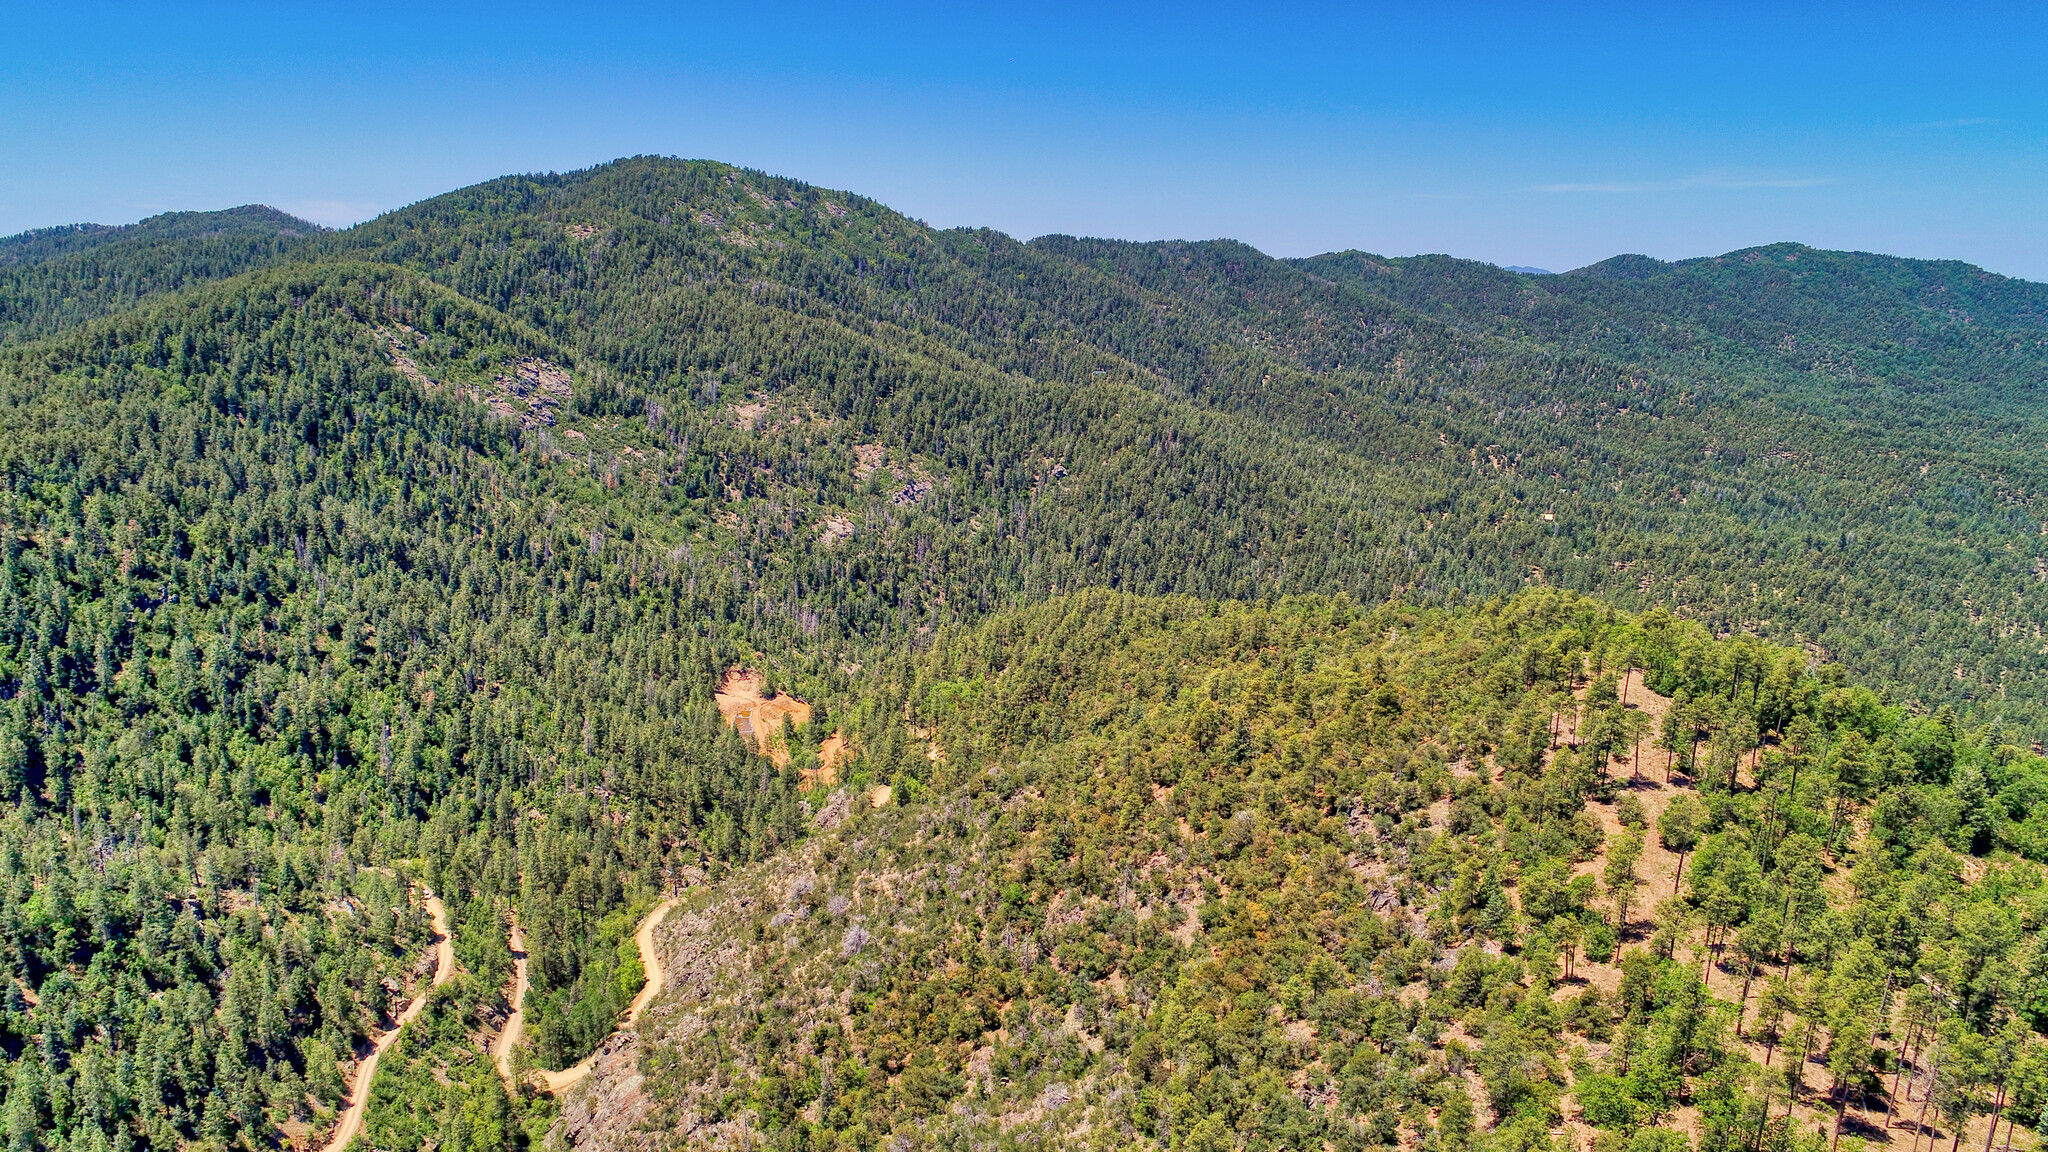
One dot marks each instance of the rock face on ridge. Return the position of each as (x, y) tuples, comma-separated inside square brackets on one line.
[(609, 1104)]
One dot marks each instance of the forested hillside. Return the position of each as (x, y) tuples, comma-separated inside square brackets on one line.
[(1852, 317), (1809, 447), (1782, 493), (1529, 875), (58, 277), (342, 569)]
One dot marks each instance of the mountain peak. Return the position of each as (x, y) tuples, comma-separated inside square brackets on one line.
[(1629, 266)]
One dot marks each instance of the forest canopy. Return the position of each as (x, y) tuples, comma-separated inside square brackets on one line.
[(339, 570)]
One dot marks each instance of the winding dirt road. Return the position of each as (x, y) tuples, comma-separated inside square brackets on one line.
[(558, 1082), (366, 1072)]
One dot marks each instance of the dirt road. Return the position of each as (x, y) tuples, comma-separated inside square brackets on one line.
[(359, 1088), (558, 1082), (515, 1025)]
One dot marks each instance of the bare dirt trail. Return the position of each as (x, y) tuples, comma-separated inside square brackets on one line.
[(366, 1072), (559, 1082), (514, 1031)]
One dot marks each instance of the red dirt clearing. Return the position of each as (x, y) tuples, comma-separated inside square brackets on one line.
[(744, 701)]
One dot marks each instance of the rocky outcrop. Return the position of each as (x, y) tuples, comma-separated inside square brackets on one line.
[(606, 1110)]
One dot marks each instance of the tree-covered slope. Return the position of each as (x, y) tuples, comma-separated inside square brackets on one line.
[(1680, 454), (285, 615), (1853, 317), (46, 244), (54, 278), (328, 569), (1193, 876), (1811, 509), (339, 566)]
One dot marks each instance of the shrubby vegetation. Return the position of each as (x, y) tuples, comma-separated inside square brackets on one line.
[(1192, 875)]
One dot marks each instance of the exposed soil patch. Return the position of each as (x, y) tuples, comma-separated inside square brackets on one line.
[(745, 704), (395, 347), (832, 752), (867, 460), (917, 483), (835, 531)]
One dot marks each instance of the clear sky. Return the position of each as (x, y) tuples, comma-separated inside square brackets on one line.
[(1525, 133)]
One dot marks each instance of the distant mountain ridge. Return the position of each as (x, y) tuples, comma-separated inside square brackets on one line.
[(52, 278), (250, 219)]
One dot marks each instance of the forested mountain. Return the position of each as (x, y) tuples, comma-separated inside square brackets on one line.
[(46, 244), (1763, 500), (338, 567), (56, 277), (1851, 316)]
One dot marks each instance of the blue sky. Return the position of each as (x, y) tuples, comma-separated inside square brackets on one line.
[(1549, 135)]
